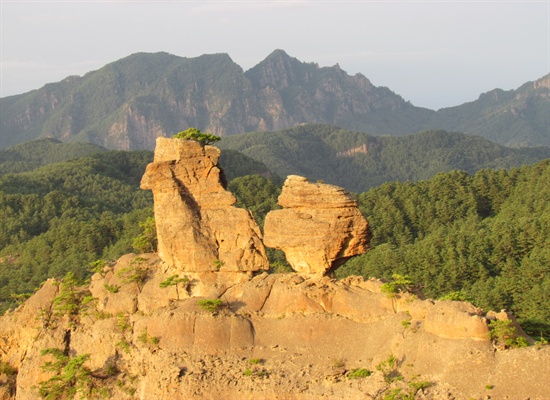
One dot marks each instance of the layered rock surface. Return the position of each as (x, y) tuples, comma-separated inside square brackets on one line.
[(319, 228), (304, 335), (197, 227)]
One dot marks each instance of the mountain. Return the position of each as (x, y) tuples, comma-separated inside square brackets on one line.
[(359, 161), (128, 103), (515, 118)]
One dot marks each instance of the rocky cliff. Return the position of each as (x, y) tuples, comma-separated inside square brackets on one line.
[(273, 337), (129, 103), (198, 229)]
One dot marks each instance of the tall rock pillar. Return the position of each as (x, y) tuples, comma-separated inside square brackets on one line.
[(198, 229)]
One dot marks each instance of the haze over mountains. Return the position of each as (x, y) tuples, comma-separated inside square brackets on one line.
[(128, 103)]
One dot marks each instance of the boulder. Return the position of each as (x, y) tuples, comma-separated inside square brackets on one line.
[(319, 228), (198, 229)]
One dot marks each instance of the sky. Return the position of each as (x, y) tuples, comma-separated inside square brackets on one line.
[(434, 54)]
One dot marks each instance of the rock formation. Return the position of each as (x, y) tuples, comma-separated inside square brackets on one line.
[(198, 229), (319, 228), (137, 333), (279, 336)]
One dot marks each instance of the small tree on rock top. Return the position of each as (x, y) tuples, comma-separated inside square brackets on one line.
[(195, 134)]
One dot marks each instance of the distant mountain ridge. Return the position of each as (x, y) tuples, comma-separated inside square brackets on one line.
[(128, 103), (359, 161)]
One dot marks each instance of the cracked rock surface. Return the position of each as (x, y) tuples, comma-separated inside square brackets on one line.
[(279, 336), (198, 228)]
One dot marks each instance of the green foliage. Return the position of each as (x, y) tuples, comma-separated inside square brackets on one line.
[(136, 272), (236, 164), (7, 369), (123, 322), (358, 161), (482, 238), (195, 134), (31, 155), (174, 280), (62, 217), (124, 345), (399, 284), (144, 338), (218, 264), (111, 288), (71, 300), (359, 373), (70, 377), (256, 361), (147, 241), (388, 368), (455, 296), (211, 305), (504, 334), (98, 266), (257, 194)]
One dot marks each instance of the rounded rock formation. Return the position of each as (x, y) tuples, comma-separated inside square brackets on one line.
[(319, 228)]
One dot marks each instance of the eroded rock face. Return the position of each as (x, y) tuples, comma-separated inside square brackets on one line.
[(319, 228), (166, 346), (197, 227)]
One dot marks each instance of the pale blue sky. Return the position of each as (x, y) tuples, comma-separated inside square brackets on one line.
[(432, 53)]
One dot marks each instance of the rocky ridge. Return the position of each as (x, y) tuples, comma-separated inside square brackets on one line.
[(275, 336)]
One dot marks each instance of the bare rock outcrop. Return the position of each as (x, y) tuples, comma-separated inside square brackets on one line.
[(198, 229), (319, 228), (278, 336)]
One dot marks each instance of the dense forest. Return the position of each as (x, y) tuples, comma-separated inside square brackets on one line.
[(358, 161), (62, 216), (482, 237)]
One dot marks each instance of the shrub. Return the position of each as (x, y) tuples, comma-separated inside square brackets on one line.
[(504, 334), (136, 272), (146, 242), (197, 135), (124, 345), (388, 368), (210, 305), (71, 300), (7, 369), (70, 378), (123, 321), (399, 284), (111, 288), (359, 373), (174, 280)]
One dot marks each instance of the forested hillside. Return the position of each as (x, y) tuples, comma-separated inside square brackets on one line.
[(514, 118), (359, 161), (30, 155), (62, 216), (483, 238)]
